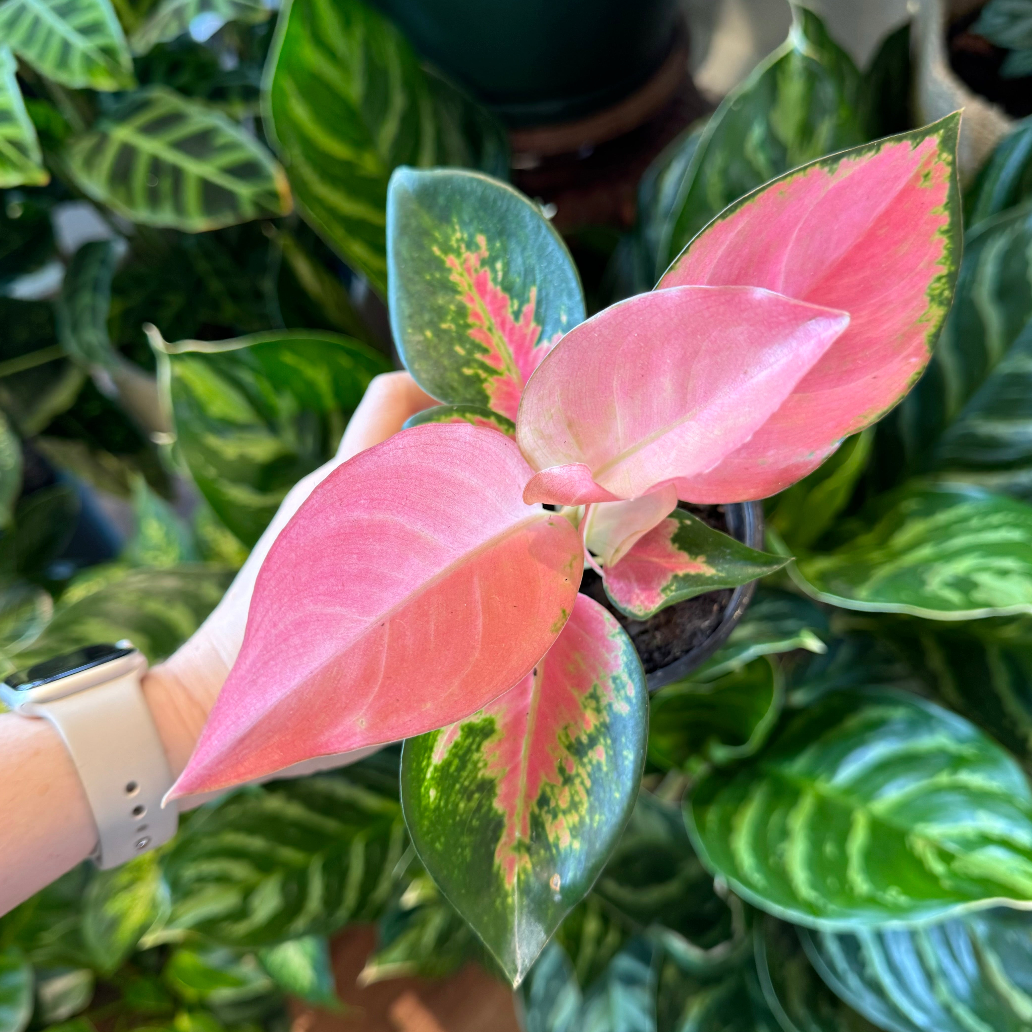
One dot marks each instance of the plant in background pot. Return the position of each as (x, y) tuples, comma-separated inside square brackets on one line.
[(425, 591)]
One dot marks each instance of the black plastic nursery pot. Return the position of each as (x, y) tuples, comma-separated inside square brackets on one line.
[(541, 61), (681, 637)]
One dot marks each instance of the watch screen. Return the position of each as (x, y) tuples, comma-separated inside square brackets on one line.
[(62, 666)]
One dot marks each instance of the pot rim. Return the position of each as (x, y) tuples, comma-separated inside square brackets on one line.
[(745, 522)]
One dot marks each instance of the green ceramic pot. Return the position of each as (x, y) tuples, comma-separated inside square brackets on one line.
[(541, 61)]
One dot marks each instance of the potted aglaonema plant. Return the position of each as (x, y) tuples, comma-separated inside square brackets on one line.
[(428, 588)]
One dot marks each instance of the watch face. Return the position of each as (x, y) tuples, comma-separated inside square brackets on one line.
[(61, 666)]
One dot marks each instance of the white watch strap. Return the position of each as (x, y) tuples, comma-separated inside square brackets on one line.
[(121, 761)]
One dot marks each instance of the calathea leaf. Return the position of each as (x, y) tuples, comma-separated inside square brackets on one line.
[(255, 414), (868, 807), (803, 512), (77, 43), (157, 609), (120, 905), (231, 988), (15, 990), (511, 571), (719, 720), (345, 102), (982, 669), (44, 522), (294, 858), (302, 968), (732, 1003), (794, 991), (967, 973), (776, 621), (968, 417), (10, 470), (622, 999), (84, 303), (61, 993), (1005, 179), (37, 381), (801, 103), (941, 552), (163, 160), (891, 263), (201, 18), (514, 810), (689, 378), (655, 883), (680, 558), (419, 935), (472, 414), (162, 539), (481, 285), (25, 610), (21, 160)]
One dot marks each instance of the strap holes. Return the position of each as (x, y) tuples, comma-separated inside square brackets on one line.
[(132, 788), (140, 810)]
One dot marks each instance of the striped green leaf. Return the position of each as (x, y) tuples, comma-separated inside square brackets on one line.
[(302, 968), (718, 720), (164, 160), (776, 621), (15, 990), (941, 552), (120, 905), (982, 669), (201, 18), (472, 414), (732, 1003), (868, 807), (224, 982), (1006, 178), (21, 160), (654, 880), (800, 103), (162, 538), (419, 935), (969, 416), (621, 1000), (970, 974), (795, 993), (10, 470), (255, 414), (481, 285), (289, 859), (514, 810), (157, 609), (84, 303), (345, 102), (37, 380), (77, 43), (25, 610)]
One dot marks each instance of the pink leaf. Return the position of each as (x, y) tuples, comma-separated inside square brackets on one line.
[(664, 386), (610, 529), (409, 590), (565, 485), (873, 232)]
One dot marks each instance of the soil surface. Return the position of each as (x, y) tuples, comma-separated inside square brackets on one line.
[(679, 628)]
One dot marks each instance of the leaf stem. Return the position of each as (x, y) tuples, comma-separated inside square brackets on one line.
[(31, 360)]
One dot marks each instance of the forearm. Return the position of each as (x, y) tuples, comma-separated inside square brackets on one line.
[(48, 826)]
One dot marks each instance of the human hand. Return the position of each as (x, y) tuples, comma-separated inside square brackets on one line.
[(182, 690)]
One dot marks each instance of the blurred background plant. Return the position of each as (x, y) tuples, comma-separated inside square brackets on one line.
[(215, 171)]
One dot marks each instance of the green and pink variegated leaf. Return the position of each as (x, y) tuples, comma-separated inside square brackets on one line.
[(474, 415), (679, 559), (411, 588), (480, 284), (663, 386), (874, 231), (515, 809)]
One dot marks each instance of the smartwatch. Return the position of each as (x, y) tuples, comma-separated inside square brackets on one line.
[(93, 698)]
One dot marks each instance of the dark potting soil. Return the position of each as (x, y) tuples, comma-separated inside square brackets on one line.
[(977, 62), (679, 628)]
